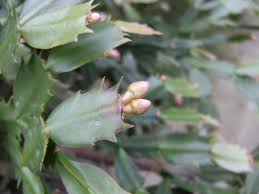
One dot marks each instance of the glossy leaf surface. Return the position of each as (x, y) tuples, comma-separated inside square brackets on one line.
[(89, 47)]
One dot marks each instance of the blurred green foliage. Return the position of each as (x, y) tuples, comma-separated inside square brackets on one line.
[(177, 137)]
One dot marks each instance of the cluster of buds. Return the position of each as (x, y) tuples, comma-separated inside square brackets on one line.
[(132, 100)]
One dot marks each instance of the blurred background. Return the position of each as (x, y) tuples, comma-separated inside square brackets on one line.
[(233, 19), (238, 113)]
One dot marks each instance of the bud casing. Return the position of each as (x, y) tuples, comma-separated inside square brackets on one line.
[(114, 54), (137, 107), (135, 91), (94, 17)]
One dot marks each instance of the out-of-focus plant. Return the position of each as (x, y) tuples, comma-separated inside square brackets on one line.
[(51, 49)]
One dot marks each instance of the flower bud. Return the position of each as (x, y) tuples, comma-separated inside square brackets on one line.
[(163, 78), (178, 100), (135, 91), (211, 121), (136, 107), (22, 40), (195, 87), (94, 17), (114, 54)]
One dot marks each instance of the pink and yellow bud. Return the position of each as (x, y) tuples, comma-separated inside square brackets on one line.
[(94, 17), (136, 107), (135, 91), (114, 54), (178, 100), (163, 77), (22, 40)]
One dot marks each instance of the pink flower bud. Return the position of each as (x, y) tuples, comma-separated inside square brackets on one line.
[(137, 107), (114, 54), (22, 40), (94, 17), (135, 91), (178, 100), (163, 78)]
